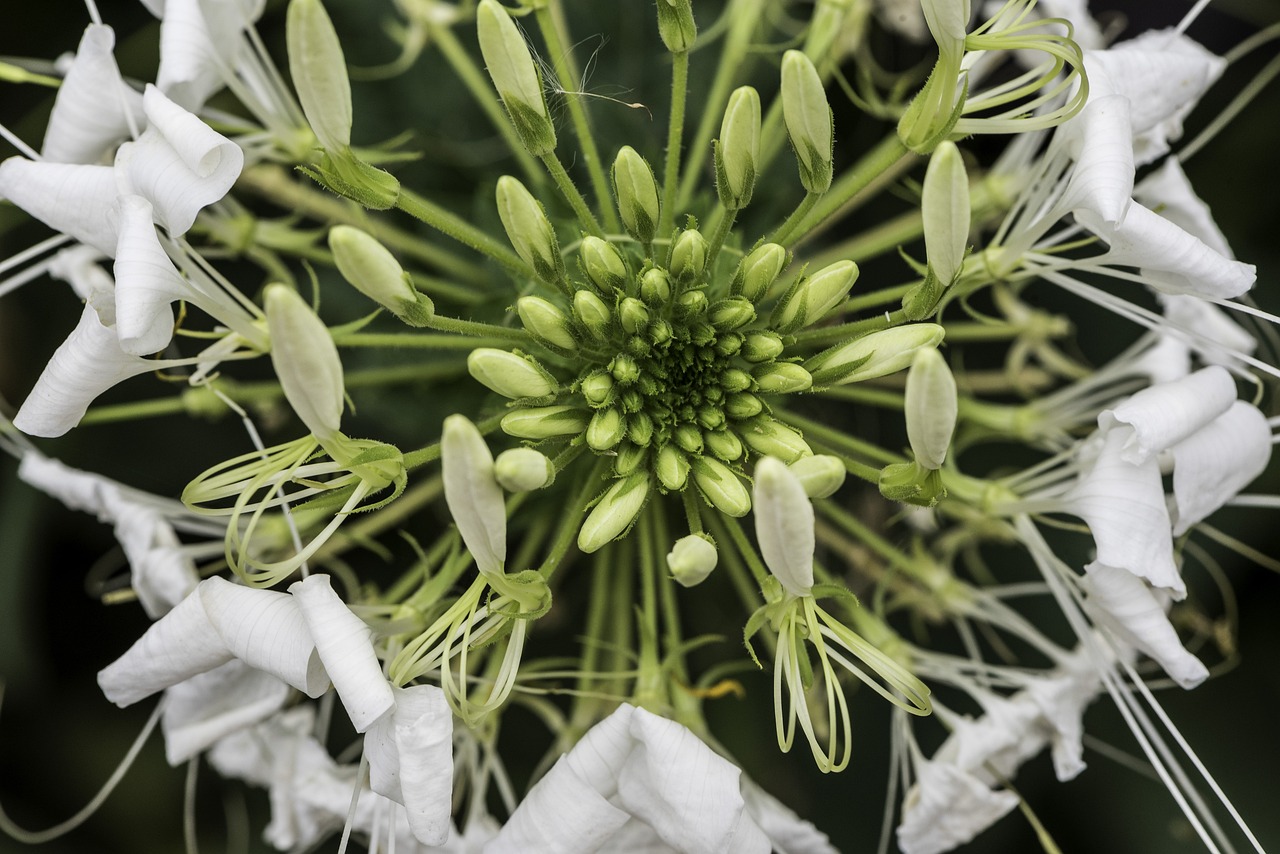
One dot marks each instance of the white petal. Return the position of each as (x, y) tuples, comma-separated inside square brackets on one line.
[(146, 282), (562, 814), (181, 644), (212, 705), (424, 737), (78, 267), (78, 490), (788, 833), (1213, 465), (88, 115), (1125, 508), (189, 67), (265, 629), (1168, 190), (473, 494), (1165, 414), (1099, 141), (1062, 699), (946, 808), (253, 754), (345, 644), (1218, 339), (1003, 737), (205, 153), (161, 573), (1128, 608), (784, 526), (88, 363), (75, 199)]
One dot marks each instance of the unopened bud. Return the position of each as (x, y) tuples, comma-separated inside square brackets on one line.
[(510, 375), (876, 354), (771, 438), (689, 438), (676, 25), (544, 422), (729, 343), (691, 303), (624, 369), (529, 230), (744, 405), (472, 493), (672, 468), (815, 296), (523, 470), (692, 558), (369, 267), (546, 322), (319, 73), (688, 257), (516, 77), (597, 388), (808, 119), (630, 459), (945, 208), (738, 149), (655, 286), (821, 475), (637, 190), (633, 315), (725, 444), (930, 407), (602, 264), (721, 486), (616, 512), (592, 313), (782, 378), (758, 271), (762, 347), (640, 429), (734, 380), (305, 360), (732, 313), (605, 430)]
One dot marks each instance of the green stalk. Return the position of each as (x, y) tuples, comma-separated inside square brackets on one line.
[(875, 171), (839, 439), (570, 192), (831, 334), (462, 231), (431, 453), (783, 235), (675, 138), (419, 341)]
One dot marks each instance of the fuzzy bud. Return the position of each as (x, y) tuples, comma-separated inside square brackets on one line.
[(821, 475), (762, 347), (516, 77), (930, 407), (592, 313), (688, 257), (371, 269), (510, 375), (732, 313), (633, 315), (945, 208), (876, 354), (720, 486), (758, 271), (676, 25), (815, 296), (529, 230), (602, 264), (606, 429), (782, 378), (672, 468), (305, 360), (597, 388), (615, 513), (319, 73), (770, 437), (655, 286), (546, 322), (637, 191), (523, 470), (724, 444), (544, 422), (808, 119), (738, 149), (691, 559)]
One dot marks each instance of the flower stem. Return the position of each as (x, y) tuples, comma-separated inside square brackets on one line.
[(839, 439), (783, 235), (876, 170), (675, 138), (460, 230), (419, 341), (831, 334), (567, 189)]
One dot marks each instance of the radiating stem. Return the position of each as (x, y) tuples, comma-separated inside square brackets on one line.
[(462, 231), (839, 438), (877, 168), (570, 192), (675, 139)]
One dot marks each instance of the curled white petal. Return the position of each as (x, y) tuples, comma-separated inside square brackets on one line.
[(75, 199), (410, 753), (1217, 339), (212, 705), (788, 833), (473, 494), (1213, 465), (146, 282), (1099, 140), (199, 43), (784, 526), (1168, 190), (946, 808), (1165, 414), (562, 814), (89, 112)]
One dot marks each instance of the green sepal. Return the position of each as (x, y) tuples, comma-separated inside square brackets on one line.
[(354, 179), (912, 483)]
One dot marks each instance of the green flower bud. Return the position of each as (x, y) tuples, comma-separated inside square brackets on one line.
[(710, 417), (691, 303), (547, 323), (319, 73), (306, 361), (813, 297), (732, 313), (605, 430), (808, 117), (624, 369), (720, 486), (655, 286), (735, 380), (602, 264), (637, 192), (676, 25), (782, 378), (660, 331), (689, 438), (692, 558), (930, 407), (516, 77), (740, 406), (769, 437), (724, 444), (597, 388), (632, 400), (629, 459), (544, 422), (529, 230), (672, 468), (640, 429), (633, 315), (876, 354), (509, 374), (945, 208), (369, 267), (758, 271), (738, 149), (729, 343), (615, 513), (592, 313), (762, 347), (821, 475), (523, 470), (688, 257)]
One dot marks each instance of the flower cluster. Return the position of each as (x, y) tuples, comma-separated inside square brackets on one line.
[(510, 461)]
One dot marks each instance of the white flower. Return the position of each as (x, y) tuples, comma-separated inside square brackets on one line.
[(75, 199), (1213, 465), (92, 110), (410, 753), (199, 45), (210, 706), (948, 807), (1158, 417)]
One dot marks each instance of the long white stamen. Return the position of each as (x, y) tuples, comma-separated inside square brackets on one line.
[(14, 140), (31, 252), (92, 8), (1189, 18)]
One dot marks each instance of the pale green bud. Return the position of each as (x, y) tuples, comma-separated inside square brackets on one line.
[(597, 388), (732, 313), (930, 407), (640, 429), (544, 422), (546, 322), (369, 267), (771, 438), (602, 264), (710, 417), (529, 230), (691, 303), (633, 315), (821, 475), (735, 380), (319, 73), (616, 512), (629, 459), (738, 149), (655, 286), (306, 361), (592, 313), (739, 406), (808, 118), (516, 77), (676, 25), (637, 192), (692, 558), (523, 470), (876, 354), (624, 369), (510, 375), (784, 527), (660, 331), (720, 486), (730, 343), (815, 296), (762, 346), (688, 438), (758, 271), (672, 468), (782, 378), (688, 257), (474, 498), (606, 429), (945, 208), (725, 444)]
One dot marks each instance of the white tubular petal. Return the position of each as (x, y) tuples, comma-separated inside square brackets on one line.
[(203, 151), (1165, 360), (1129, 609), (77, 200), (146, 282), (1100, 143), (345, 644), (1167, 189), (473, 494), (78, 267), (1125, 509), (784, 526), (251, 754), (788, 833), (562, 814), (78, 490), (162, 575), (689, 795), (1175, 261), (1003, 737), (424, 738), (181, 644), (88, 115), (210, 706), (1219, 340), (189, 68), (1165, 414), (88, 363), (265, 629), (1212, 466), (1062, 700), (306, 361), (946, 808)]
